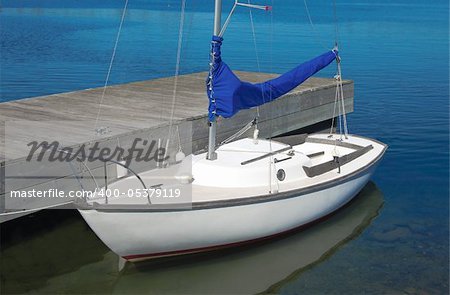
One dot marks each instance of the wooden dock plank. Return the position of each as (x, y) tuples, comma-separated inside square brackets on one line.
[(144, 104)]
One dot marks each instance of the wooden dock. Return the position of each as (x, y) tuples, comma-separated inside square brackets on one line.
[(144, 107)]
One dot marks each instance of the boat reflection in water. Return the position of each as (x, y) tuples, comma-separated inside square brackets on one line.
[(69, 258)]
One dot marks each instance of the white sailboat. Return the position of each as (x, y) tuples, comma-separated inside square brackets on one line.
[(245, 190)]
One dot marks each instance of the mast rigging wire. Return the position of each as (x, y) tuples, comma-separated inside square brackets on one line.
[(336, 27), (256, 54), (177, 66), (339, 95), (175, 81), (97, 130), (316, 33)]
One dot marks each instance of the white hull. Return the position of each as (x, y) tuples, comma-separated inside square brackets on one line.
[(171, 233), (143, 234)]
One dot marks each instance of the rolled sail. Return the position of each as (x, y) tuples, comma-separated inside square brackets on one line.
[(228, 94)]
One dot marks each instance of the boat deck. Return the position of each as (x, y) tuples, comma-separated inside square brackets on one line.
[(240, 187)]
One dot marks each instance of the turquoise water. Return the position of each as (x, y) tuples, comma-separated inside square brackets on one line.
[(396, 52)]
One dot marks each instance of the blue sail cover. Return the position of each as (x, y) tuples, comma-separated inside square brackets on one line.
[(228, 94)]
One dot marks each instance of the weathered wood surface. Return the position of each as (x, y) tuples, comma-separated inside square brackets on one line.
[(70, 117)]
